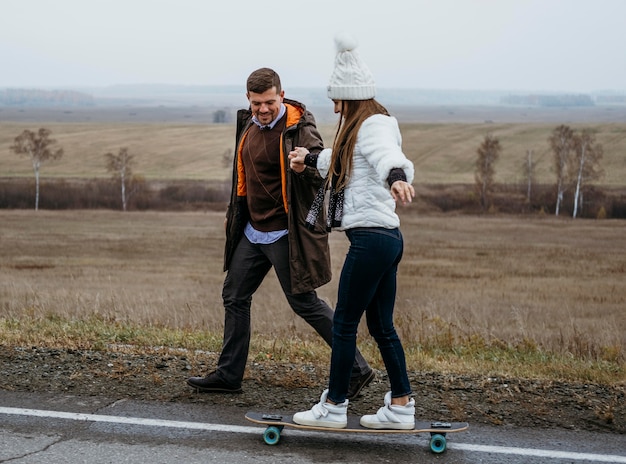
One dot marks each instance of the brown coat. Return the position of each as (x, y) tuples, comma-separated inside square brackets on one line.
[(309, 254)]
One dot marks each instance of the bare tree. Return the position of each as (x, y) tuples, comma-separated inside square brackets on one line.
[(488, 153), (39, 147), (585, 165), (120, 166), (227, 157), (220, 117), (528, 168), (562, 143)]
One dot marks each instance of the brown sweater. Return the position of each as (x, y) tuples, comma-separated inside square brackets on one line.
[(261, 161)]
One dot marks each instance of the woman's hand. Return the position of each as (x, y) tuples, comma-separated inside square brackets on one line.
[(402, 192), (296, 159)]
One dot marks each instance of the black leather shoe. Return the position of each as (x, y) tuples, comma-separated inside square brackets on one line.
[(359, 383), (211, 383)]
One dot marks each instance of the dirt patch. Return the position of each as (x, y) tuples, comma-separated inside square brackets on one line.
[(160, 376)]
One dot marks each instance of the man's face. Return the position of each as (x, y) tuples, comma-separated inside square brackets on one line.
[(266, 106)]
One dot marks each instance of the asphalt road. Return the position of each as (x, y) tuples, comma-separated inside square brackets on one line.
[(46, 428)]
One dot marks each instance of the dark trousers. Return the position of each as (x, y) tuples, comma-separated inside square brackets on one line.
[(368, 285), (249, 266)]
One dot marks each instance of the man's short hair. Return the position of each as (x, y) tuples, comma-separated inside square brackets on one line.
[(262, 80)]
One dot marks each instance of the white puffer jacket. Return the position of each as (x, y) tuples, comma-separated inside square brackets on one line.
[(368, 201)]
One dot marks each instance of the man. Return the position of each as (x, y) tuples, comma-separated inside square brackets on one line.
[(266, 227)]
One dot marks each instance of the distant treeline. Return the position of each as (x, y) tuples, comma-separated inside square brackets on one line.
[(105, 194), (56, 194), (611, 99), (548, 100), (44, 98)]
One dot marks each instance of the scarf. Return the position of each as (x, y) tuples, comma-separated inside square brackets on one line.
[(335, 207)]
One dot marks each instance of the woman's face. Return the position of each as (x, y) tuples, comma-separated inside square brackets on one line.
[(338, 106)]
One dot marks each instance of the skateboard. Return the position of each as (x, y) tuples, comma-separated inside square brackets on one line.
[(277, 422)]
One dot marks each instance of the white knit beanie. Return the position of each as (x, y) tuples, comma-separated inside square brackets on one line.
[(351, 79)]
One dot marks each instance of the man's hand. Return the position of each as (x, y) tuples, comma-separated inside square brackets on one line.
[(296, 159)]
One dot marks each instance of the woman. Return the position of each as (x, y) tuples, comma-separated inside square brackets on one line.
[(366, 173)]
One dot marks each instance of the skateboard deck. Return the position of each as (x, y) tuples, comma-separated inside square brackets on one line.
[(276, 422)]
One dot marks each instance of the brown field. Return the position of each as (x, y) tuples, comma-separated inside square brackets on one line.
[(468, 284), (180, 143), (547, 283)]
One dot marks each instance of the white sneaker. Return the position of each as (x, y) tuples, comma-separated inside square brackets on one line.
[(324, 414), (391, 416)]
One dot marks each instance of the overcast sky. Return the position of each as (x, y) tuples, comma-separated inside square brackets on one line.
[(535, 45)]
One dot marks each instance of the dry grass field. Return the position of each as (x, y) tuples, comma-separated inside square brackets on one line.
[(183, 148), (468, 286), (525, 295)]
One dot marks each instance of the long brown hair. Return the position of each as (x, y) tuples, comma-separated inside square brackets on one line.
[(352, 115)]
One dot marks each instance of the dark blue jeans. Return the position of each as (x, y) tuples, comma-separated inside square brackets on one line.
[(248, 267), (368, 285)]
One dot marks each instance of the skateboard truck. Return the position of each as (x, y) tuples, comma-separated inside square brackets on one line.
[(441, 425)]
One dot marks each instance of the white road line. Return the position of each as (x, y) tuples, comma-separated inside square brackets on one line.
[(128, 420), (553, 454), (538, 453)]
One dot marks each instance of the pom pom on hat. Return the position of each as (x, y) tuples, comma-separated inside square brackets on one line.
[(345, 42), (351, 79)]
